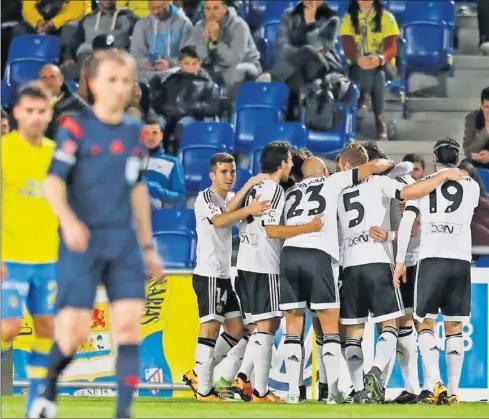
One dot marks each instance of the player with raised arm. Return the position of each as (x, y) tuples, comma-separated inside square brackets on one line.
[(258, 264), (306, 266), (367, 267), (29, 233), (95, 189), (217, 301), (443, 277)]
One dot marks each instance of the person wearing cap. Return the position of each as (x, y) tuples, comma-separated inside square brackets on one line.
[(107, 19), (158, 38)]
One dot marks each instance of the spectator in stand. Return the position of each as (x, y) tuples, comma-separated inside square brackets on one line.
[(476, 135), (5, 123), (419, 165), (163, 174), (182, 97), (480, 222), (226, 47), (158, 38), (369, 38), (483, 17), (107, 19), (306, 50), (63, 99), (48, 17)]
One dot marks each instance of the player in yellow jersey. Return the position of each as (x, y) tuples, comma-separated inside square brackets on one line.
[(29, 231)]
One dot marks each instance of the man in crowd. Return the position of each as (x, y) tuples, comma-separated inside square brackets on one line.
[(163, 174), (476, 135), (443, 277), (224, 43), (158, 39), (63, 99), (29, 233)]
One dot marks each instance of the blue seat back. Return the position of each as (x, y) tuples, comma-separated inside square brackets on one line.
[(5, 94), (339, 6), (72, 86), (406, 11), (195, 162), (263, 95), (177, 248), (484, 174), (275, 9), (23, 71), (262, 46), (248, 121), (426, 46), (270, 34), (35, 47), (170, 219), (482, 262), (208, 134)]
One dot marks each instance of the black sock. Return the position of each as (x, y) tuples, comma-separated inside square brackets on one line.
[(57, 362), (127, 371)]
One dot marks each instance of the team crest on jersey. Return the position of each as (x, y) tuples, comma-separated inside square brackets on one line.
[(219, 308)]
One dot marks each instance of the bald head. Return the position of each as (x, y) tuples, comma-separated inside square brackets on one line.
[(52, 78), (314, 167)]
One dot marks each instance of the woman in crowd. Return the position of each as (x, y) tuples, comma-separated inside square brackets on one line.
[(369, 39)]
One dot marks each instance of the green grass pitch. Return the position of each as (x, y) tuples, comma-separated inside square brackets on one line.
[(86, 407)]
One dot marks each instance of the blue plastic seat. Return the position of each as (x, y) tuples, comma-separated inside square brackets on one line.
[(167, 219), (339, 6), (293, 132), (72, 86), (208, 134), (275, 9), (270, 34), (263, 95), (5, 94), (45, 48), (23, 71), (262, 46), (482, 262), (484, 174), (408, 11)]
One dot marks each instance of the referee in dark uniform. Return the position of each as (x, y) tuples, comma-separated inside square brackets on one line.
[(94, 187)]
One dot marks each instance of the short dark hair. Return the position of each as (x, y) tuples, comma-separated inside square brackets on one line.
[(298, 158), (415, 158), (485, 94), (151, 120), (355, 154), (447, 151), (32, 90), (373, 150), (220, 158), (188, 51), (273, 154), (4, 114)]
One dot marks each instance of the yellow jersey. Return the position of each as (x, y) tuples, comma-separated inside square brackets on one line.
[(29, 226), (373, 42)]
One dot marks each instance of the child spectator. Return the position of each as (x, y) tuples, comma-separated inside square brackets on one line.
[(186, 95), (164, 174), (158, 38)]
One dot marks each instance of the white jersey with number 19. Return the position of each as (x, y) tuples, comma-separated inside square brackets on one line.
[(446, 215), (258, 253), (317, 197)]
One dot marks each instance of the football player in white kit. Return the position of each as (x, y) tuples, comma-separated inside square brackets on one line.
[(258, 263), (307, 277), (443, 277), (211, 281), (367, 264)]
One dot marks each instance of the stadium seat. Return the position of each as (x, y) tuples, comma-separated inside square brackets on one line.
[(72, 86), (408, 11), (293, 132), (262, 46), (5, 94), (331, 142), (208, 134), (339, 6), (275, 9), (484, 174), (270, 35), (482, 262), (263, 95), (23, 71), (45, 48), (174, 233), (168, 219)]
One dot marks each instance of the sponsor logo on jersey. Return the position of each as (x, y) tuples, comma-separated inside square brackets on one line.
[(359, 238), (444, 228), (251, 239)]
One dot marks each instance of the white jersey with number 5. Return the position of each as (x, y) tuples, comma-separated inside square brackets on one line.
[(361, 207), (258, 253), (317, 197), (446, 215)]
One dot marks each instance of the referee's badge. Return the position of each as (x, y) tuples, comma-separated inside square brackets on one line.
[(133, 166)]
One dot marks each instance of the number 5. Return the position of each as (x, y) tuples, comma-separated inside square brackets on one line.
[(350, 206)]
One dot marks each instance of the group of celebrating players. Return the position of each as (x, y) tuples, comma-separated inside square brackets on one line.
[(367, 242)]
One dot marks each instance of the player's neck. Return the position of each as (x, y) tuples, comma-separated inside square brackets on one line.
[(107, 115), (221, 192), (33, 141)]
